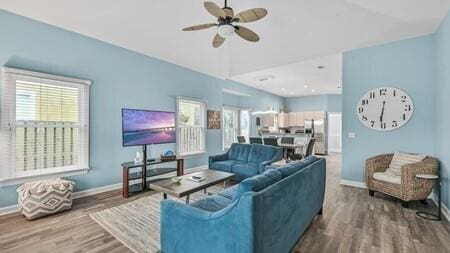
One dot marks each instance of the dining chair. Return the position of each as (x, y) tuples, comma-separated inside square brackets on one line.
[(271, 142), (256, 140)]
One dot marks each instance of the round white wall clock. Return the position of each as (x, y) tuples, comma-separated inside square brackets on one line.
[(385, 108)]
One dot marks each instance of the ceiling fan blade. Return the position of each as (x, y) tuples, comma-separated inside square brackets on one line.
[(229, 11), (215, 10), (251, 15), (246, 33), (198, 27), (218, 41)]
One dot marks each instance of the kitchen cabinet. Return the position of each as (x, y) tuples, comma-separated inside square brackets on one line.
[(283, 120), (308, 115), (268, 120), (296, 119)]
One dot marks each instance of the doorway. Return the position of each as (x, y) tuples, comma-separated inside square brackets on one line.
[(335, 132)]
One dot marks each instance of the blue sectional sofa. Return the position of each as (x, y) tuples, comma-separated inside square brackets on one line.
[(266, 213), (246, 160)]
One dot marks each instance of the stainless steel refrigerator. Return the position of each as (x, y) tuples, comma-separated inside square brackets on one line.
[(319, 128)]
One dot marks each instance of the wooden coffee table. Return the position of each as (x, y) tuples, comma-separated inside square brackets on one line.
[(186, 187)]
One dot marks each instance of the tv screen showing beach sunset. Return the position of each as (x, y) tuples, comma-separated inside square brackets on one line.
[(141, 127)]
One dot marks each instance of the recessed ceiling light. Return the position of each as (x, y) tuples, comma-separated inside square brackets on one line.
[(313, 90), (306, 86), (320, 67), (264, 78)]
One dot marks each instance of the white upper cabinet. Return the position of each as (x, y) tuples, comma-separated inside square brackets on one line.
[(297, 119), (283, 120)]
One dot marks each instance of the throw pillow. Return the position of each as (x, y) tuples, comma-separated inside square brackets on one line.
[(401, 159)]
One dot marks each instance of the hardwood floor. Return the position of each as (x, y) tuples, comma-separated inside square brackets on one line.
[(352, 222)]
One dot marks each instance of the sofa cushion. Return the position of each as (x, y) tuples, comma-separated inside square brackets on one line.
[(258, 183), (224, 165), (239, 152), (401, 159), (292, 167), (212, 203), (387, 177), (229, 192), (261, 153), (244, 170)]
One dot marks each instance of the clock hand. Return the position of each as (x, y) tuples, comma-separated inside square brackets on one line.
[(382, 112)]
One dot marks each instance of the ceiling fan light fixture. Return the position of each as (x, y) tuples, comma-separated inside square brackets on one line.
[(225, 30)]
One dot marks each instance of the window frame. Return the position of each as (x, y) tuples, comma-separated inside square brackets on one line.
[(239, 128), (204, 105), (8, 173)]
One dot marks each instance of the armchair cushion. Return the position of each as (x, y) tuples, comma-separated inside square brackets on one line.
[(401, 159), (387, 177), (229, 192), (212, 203)]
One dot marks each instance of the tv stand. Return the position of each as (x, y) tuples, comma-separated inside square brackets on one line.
[(141, 175)]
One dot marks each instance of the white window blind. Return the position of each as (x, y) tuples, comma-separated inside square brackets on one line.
[(191, 126), (44, 124)]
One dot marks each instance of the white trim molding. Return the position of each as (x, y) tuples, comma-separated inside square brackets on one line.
[(444, 209), (356, 184), (30, 73), (93, 191), (20, 180)]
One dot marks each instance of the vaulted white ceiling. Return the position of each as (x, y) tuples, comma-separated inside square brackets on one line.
[(294, 31)]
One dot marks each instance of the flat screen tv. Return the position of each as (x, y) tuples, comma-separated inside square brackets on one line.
[(142, 127)]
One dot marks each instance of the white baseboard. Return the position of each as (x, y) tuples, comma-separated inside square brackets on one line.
[(444, 209), (354, 184), (96, 190), (9, 209), (89, 192)]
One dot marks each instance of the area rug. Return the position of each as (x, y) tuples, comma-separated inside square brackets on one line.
[(136, 224)]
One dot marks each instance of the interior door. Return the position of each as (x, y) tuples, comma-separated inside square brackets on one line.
[(335, 132), (230, 126)]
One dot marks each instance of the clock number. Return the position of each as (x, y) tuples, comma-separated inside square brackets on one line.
[(360, 110), (365, 102), (372, 123), (403, 99), (407, 108), (383, 125), (372, 94), (404, 116), (364, 118), (394, 92), (383, 92), (394, 123)]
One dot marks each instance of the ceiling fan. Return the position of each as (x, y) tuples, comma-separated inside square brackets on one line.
[(226, 22)]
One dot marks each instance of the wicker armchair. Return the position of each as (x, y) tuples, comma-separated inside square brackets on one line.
[(410, 188)]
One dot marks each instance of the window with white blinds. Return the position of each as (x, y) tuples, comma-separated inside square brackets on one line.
[(44, 124), (191, 126)]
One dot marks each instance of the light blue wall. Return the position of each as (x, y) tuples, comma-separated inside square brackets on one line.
[(334, 103), (442, 125), (121, 78), (407, 64), (330, 103)]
